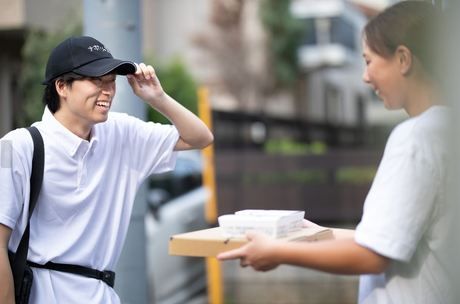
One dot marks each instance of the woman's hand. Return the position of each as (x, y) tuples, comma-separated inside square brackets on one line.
[(259, 252)]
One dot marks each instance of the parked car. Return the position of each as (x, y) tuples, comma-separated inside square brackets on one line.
[(176, 205)]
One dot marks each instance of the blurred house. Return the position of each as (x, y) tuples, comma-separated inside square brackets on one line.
[(15, 18), (332, 104), (171, 27), (166, 27), (331, 59)]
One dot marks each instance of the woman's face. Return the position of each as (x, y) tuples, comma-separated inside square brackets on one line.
[(385, 78)]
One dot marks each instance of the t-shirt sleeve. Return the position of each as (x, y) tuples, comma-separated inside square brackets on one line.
[(398, 208), (150, 146), (13, 176)]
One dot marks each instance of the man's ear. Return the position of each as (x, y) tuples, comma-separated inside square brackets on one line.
[(61, 87), (405, 59)]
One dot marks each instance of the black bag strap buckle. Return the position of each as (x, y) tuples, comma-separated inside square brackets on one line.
[(105, 276), (108, 277)]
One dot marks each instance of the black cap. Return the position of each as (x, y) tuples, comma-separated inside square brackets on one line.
[(85, 56)]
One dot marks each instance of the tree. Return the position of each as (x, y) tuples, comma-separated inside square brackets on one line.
[(176, 82), (284, 32), (251, 48), (37, 47)]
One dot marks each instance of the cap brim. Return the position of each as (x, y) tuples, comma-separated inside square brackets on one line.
[(106, 66)]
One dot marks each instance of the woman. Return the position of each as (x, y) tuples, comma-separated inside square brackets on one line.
[(398, 245)]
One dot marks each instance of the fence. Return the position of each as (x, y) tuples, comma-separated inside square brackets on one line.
[(330, 187)]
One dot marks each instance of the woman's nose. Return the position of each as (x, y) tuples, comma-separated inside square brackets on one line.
[(366, 76)]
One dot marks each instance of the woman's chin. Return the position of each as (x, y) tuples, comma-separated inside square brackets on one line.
[(391, 106)]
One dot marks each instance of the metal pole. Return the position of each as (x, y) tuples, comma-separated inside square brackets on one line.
[(116, 23)]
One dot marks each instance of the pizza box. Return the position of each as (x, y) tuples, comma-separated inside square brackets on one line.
[(210, 242)]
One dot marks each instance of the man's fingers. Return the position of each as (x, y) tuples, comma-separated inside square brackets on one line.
[(144, 71), (151, 71), (131, 80), (138, 69)]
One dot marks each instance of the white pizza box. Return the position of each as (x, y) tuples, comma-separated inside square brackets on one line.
[(275, 223)]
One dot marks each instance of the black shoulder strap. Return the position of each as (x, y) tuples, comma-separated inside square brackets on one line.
[(36, 179), (38, 164)]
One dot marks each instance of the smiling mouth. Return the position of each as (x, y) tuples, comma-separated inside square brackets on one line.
[(104, 104)]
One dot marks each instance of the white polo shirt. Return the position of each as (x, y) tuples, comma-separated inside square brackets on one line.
[(83, 212)]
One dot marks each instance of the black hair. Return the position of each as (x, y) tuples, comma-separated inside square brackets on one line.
[(50, 95)]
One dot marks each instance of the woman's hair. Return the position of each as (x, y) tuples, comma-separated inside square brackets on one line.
[(409, 23), (50, 95)]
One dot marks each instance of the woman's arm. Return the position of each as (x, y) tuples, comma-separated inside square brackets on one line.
[(6, 277), (340, 256)]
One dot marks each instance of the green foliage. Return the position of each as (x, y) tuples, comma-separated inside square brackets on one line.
[(288, 146), (355, 175), (285, 34), (37, 47), (307, 176), (178, 83), (350, 176)]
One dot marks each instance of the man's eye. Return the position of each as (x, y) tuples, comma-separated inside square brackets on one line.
[(96, 80)]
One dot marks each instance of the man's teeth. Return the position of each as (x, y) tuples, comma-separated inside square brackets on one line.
[(104, 104)]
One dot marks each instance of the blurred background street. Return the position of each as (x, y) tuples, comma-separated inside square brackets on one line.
[(286, 285), (280, 84)]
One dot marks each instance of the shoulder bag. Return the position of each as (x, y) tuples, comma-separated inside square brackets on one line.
[(22, 273)]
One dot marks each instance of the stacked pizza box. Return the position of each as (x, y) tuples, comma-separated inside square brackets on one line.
[(275, 223)]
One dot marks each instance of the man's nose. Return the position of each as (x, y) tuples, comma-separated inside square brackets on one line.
[(108, 87)]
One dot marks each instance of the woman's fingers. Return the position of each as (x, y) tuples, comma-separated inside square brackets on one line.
[(232, 254)]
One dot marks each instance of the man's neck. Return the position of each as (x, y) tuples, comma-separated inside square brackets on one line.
[(78, 128)]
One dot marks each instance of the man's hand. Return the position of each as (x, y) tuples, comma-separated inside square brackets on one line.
[(259, 252), (194, 134), (145, 84)]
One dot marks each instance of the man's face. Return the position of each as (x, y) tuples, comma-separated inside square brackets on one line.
[(87, 101)]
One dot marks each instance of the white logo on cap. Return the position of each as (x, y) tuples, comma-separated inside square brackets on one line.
[(98, 48)]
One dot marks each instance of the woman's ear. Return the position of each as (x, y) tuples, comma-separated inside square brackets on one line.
[(405, 59)]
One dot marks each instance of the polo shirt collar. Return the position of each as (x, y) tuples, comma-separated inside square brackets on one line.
[(68, 140)]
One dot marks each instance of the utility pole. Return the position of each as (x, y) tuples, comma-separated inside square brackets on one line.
[(116, 23)]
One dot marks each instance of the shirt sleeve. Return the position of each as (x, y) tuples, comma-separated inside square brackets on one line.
[(151, 146), (13, 176), (398, 208)]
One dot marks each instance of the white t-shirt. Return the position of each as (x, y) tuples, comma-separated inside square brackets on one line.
[(405, 214), (84, 208)]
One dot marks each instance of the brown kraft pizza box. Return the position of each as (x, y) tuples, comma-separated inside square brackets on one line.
[(211, 242)]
